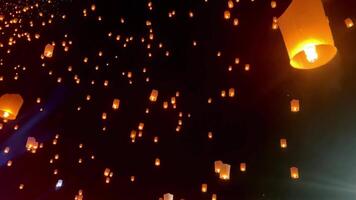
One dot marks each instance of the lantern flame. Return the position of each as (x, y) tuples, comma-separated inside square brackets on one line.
[(311, 53)]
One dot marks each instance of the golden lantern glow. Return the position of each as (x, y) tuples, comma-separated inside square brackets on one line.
[(307, 35), (154, 95), (283, 143), (214, 197), (225, 172), (273, 4), (231, 92), (204, 187), (165, 104), (217, 166), (48, 51), (116, 104), (106, 172), (349, 23), (294, 173), (294, 105), (157, 162), (243, 167), (227, 14), (168, 196), (10, 105)]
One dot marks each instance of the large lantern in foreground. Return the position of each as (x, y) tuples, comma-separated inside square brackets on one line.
[(10, 105), (307, 35)]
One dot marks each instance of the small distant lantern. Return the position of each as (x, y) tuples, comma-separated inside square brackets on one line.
[(154, 95), (106, 172), (349, 23), (273, 4), (307, 34), (165, 105), (141, 125), (243, 167), (227, 14), (294, 173), (210, 135), (168, 196), (104, 116), (225, 172), (283, 143), (48, 51), (217, 166), (10, 105), (204, 187), (223, 93), (294, 105), (231, 92), (116, 104), (214, 197), (157, 162), (132, 178)]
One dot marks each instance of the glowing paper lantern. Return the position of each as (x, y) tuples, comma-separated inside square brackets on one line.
[(168, 196), (294, 173), (116, 104), (48, 51), (283, 143), (214, 197), (231, 92), (349, 23), (218, 165), (243, 167), (294, 105), (307, 35), (225, 172), (154, 95), (204, 187), (10, 105)]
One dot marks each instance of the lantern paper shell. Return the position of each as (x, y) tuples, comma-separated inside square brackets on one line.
[(283, 143), (218, 165), (204, 187), (294, 173), (154, 95), (10, 105), (116, 104), (349, 23), (168, 196), (294, 105), (48, 51), (307, 35), (225, 172)]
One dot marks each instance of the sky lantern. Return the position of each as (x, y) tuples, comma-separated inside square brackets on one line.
[(157, 162), (349, 23), (307, 34), (116, 104), (217, 166), (48, 51), (231, 92), (283, 143), (243, 167), (294, 173), (10, 105), (214, 197), (225, 172), (294, 105), (204, 187), (168, 196), (154, 95)]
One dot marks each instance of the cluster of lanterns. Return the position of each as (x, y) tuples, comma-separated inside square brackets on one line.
[(307, 37)]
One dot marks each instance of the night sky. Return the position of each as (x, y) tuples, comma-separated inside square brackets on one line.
[(123, 49)]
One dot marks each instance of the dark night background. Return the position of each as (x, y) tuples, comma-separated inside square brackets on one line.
[(247, 128)]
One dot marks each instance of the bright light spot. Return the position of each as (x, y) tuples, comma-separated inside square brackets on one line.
[(59, 184), (6, 114), (310, 52)]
